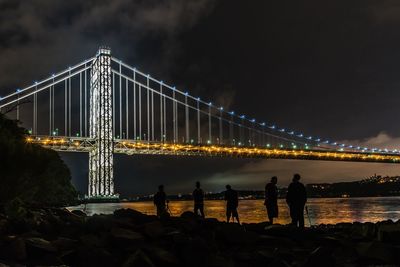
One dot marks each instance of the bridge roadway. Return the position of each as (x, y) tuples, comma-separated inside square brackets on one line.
[(131, 147)]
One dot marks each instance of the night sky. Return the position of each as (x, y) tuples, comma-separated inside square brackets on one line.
[(325, 68)]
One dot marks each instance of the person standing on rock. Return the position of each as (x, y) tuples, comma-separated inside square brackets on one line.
[(232, 203), (296, 198), (271, 199), (160, 199), (198, 198)]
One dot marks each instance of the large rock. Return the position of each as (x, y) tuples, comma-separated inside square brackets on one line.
[(125, 235), (99, 223), (62, 243), (68, 217), (389, 233), (40, 244), (154, 229), (90, 256), (321, 256), (79, 213), (41, 252), (92, 240), (17, 249), (378, 253), (138, 259), (235, 234), (163, 257)]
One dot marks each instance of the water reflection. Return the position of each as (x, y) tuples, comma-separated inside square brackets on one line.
[(323, 210)]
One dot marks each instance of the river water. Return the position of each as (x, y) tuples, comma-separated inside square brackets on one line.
[(321, 210)]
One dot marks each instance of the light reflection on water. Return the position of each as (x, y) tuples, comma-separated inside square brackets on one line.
[(321, 210)]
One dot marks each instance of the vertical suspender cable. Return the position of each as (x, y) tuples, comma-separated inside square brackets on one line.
[(34, 112), (209, 124), (65, 109), (113, 103), (165, 118), (187, 119), (69, 104), (120, 101), (198, 122), (140, 112), (173, 114), (161, 114), (80, 104), (220, 126), (50, 108), (127, 108), (176, 122), (134, 105), (231, 130), (152, 115), (86, 102), (148, 109)]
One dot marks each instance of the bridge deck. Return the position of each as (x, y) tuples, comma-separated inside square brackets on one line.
[(132, 147)]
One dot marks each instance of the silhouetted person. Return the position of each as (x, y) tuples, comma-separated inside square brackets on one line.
[(271, 199), (296, 198), (198, 198), (160, 199), (232, 202)]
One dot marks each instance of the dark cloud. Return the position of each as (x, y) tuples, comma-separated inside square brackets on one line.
[(41, 36)]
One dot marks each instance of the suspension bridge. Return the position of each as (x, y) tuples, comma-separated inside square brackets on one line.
[(104, 106)]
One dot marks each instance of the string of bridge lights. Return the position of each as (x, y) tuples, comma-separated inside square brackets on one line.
[(340, 146), (273, 127)]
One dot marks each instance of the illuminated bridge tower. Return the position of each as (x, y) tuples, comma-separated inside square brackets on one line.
[(101, 180)]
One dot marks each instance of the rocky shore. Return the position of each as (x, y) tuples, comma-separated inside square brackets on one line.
[(57, 237)]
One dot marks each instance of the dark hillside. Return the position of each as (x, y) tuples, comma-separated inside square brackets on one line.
[(29, 172)]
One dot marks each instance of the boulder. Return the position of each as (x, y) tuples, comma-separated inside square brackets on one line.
[(17, 249), (68, 217), (92, 240), (154, 229), (194, 248), (89, 256), (79, 213), (272, 241), (62, 243), (162, 257), (3, 226), (188, 215), (376, 252), (389, 233), (321, 256), (121, 234), (99, 223), (235, 234), (39, 244), (138, 259)]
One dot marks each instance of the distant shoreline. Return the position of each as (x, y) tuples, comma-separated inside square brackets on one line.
[(180, 199)]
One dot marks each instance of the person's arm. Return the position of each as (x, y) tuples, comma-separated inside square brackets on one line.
[(288, 195)]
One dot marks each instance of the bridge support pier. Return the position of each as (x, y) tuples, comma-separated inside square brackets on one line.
[(101, 179)]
